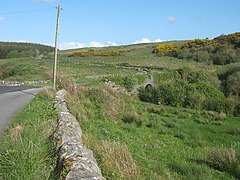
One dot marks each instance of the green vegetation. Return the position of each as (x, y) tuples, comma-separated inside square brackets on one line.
[(161, 142), (221, 50), (184, 126), (25, 151), (91, 52), (25, 69), (16, 50)]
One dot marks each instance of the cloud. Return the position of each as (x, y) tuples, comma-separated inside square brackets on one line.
[(76, 45), (171, 19), (46, 1), (158, 40), (143, 40), (22, 41), (146, 40), (2, 19)]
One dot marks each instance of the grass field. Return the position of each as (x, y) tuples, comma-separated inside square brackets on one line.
[(132, 139), (163, 142)]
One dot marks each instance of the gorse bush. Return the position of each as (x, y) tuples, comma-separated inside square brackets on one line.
[(166, 49), (96, 53), (222, 50), (233, 39)]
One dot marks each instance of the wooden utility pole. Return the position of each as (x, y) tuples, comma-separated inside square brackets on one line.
[(56, 48)]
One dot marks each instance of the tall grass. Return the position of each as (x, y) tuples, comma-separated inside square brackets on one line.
[(226, 160), (115, 159), (25, 151)]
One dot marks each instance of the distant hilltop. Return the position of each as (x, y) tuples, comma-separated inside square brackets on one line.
[(16, 50)]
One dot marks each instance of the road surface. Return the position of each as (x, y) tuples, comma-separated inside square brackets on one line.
[(13, 99)]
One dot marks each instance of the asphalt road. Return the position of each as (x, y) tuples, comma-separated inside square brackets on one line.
[(13, 99)]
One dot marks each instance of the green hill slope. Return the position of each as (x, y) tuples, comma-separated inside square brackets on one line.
[(185, 125), (14, 50)]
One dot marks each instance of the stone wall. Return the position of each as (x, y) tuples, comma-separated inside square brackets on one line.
[(73, 155)]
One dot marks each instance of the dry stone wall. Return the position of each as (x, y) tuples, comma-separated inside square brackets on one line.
[(73, 155)]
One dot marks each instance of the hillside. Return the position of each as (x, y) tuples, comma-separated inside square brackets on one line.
[(147, 111), (15, 50)]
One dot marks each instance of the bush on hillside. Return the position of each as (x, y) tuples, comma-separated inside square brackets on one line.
[(193, 98), (149, 94), (167, 49), (200, 95), (95, 53), (214, 99), (172, 93), (220, 51)]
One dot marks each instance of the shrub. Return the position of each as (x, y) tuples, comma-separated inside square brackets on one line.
[(214, 99), (198, 44), (172, 93), (193, 98), (166, 49), (196, 77), (184, 72), (149, 94), (93, 53), (180, 94)]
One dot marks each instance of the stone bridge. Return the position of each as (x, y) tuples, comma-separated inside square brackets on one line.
[(148, 82)]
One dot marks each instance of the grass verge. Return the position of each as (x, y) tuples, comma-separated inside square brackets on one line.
[(25, 151)]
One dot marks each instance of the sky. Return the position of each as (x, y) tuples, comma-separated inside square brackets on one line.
[(97, 23)]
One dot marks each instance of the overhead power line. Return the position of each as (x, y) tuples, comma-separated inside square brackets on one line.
[(28, 11)]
